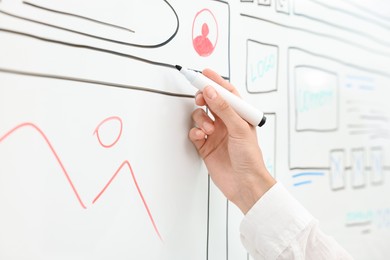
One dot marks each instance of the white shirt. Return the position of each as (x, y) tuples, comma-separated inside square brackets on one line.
[(279, 227)]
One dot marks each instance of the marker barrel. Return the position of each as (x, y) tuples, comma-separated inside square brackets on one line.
[(243, 109)]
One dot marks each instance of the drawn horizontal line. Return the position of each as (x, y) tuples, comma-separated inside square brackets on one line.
[(120, 54), (88, 81), (365, 69), (310, 168), (86, 47), (78, 16), (375, 14), (380, 136), (99, 37), (308, 174), (361, 132), (360, 33), (358, 224), (362, 126), (360, 78), (372, 50), (302, 183), (364, 18), (372, 117)]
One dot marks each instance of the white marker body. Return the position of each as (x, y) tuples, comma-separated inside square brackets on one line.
[(250, 114)]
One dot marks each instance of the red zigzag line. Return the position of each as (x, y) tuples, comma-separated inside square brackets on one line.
[(125, 163), (53, 151)]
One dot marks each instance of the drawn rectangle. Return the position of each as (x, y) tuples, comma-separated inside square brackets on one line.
[(358, 176), (264, 2), (282, 6), (316, 99), (261, 67), (267, 139), (376, 163), (337, 169)]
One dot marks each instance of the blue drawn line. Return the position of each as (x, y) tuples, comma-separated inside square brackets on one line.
[(302, 183), (308, 174), (362, 78), (367, 87)]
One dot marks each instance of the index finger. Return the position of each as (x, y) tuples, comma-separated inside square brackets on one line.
[(219, 80)]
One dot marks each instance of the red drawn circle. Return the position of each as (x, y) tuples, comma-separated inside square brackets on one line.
[(109, 144)]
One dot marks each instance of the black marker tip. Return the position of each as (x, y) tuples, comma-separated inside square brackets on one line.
[(262, 122), (178, 67)]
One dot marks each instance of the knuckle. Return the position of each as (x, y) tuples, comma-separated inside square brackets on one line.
[(223, 105), (198, 115)]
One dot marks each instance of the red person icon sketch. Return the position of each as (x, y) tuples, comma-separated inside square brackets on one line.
[(202, 43)]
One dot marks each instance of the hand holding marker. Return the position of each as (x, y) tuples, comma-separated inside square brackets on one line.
[(243, 109)]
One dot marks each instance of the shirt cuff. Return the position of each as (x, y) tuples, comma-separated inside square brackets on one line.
[(273, 223)]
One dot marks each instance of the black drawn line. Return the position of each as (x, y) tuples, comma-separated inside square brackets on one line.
[(350, 30), (36, 37), (98, 37), (95, 82), (208, 218), (366, 231), (87, 47), (363, 47), (77, 16)]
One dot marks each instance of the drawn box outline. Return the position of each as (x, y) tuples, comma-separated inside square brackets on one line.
[(337, 101), (289, 4), (246, 67), (364, 168), (266, 2), (371, 179), (292, 49), (340, 150), (275, 139)]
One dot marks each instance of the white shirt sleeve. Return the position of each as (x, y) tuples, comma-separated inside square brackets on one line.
[(279, 227)]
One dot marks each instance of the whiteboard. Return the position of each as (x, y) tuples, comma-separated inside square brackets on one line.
[(95, 162)]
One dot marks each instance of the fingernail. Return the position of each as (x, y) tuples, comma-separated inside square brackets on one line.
[(210, 92)]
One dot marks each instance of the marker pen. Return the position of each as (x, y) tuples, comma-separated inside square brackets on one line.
[(243, 109)]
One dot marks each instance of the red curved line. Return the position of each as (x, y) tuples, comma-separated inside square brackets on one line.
[(126, 163), (104, 121), (52, 150)]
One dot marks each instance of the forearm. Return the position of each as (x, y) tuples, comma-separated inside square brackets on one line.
[(279, 227)]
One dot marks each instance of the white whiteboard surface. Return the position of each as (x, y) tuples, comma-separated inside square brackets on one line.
[(95, 162)]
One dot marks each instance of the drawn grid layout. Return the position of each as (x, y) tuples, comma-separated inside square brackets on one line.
[(92, 105)]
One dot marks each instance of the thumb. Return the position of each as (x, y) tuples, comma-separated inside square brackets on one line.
[(234, 123)]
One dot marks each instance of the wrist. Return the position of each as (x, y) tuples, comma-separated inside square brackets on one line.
[(252, 190)]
